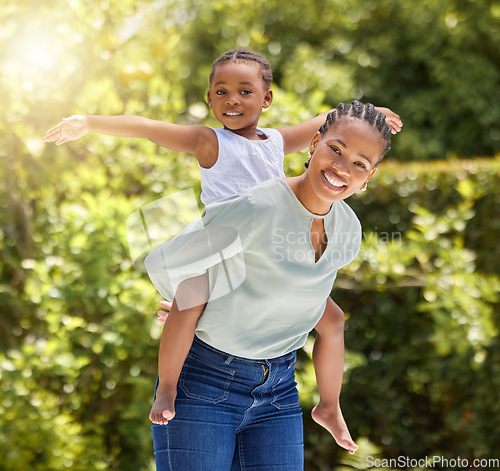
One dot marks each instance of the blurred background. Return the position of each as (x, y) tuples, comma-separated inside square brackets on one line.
[(78, 331)]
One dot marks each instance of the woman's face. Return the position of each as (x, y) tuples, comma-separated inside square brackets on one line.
[(344, 159)]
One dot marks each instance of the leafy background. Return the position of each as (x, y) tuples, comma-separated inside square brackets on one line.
[(78, 334)]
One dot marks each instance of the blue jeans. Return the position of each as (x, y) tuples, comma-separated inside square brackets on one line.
[(232, 414)]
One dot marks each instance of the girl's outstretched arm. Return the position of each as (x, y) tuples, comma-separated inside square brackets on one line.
[(200, 141), (298, 137)]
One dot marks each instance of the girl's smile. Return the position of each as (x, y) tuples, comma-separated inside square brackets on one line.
[(237, 96)]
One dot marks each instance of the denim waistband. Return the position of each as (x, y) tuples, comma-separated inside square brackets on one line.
[(228, 358)]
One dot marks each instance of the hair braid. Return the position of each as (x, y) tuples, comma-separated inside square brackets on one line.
[(239, 55), (366, 112)]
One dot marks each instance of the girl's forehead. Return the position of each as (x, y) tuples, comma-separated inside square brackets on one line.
[(238, 68)]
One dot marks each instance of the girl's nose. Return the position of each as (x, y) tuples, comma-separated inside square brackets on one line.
[(232, 99)]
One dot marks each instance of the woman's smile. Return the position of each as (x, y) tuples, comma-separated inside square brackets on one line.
[(333, 181)]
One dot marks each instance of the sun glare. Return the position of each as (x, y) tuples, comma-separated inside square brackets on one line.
[(36, 53), (33, 58)]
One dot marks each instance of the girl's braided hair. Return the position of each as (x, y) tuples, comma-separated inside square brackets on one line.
[(365, 112), (238, 55)]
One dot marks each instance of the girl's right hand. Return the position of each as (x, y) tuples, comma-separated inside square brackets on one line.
[(162, 315), (69, 129)]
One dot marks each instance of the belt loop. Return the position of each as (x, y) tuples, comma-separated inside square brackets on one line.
[(229, 359)]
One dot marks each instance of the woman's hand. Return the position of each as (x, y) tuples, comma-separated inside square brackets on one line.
[(162, 315), (69, 129)]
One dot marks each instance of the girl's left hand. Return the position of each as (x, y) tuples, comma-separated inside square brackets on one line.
[(162, 315), (392, 119)]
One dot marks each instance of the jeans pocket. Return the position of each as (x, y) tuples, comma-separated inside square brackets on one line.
[(203, 381), (286, 395)]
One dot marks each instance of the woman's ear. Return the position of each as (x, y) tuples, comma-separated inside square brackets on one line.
[(370, 176)]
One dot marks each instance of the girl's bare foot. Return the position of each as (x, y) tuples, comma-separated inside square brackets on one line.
[(334, 422), (163, 408)]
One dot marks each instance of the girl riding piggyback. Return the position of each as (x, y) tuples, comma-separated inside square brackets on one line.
[(231, 159)]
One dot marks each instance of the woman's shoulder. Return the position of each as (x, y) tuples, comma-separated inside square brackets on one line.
[(346, 209), (255, 202), (345, 216), (267, 192)]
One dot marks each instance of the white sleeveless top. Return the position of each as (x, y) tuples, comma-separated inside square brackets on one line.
[(241, 164)]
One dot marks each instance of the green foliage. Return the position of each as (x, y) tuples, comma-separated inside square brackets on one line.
[(78, 336)]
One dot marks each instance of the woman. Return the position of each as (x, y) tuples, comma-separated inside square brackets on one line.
[(227, 364)]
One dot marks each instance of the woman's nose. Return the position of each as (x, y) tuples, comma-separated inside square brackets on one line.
[(340, 166)]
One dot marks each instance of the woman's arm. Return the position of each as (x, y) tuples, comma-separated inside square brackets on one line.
[(200, 141)]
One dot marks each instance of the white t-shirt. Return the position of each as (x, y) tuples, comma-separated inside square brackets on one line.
[(242, 163), (269, 290)]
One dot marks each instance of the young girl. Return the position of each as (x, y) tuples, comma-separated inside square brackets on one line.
[(228, 363), (231, 159)]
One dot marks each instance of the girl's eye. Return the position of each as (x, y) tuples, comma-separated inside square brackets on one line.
[(360, 164), (246, 92), (220, 92), (335, 149)]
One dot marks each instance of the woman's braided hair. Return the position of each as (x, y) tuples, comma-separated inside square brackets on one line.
[(238, 55), (362, 111)]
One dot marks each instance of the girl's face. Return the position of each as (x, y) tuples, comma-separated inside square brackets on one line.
[(237, 96), (343, 159)]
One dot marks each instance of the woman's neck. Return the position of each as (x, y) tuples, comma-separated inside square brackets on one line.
[(303, 190)]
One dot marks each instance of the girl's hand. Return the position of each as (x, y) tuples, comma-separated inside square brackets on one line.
[(392, 119), (162, 315), (69, 129)]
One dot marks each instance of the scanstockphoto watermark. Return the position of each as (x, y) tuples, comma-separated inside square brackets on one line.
[(373, 245), (433, 462)]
